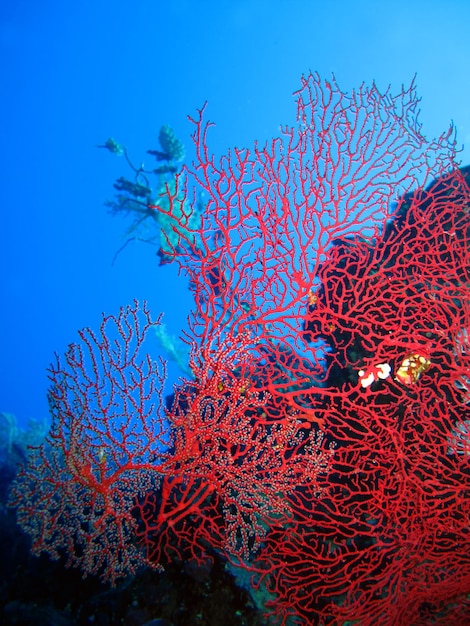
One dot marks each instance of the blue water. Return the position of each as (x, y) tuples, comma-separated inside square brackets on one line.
[(74, 74)]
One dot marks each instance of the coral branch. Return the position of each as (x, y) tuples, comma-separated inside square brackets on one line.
[(106, 445)]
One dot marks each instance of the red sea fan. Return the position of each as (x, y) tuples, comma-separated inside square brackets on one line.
[(355, 293), (75, 497), (322, 442)]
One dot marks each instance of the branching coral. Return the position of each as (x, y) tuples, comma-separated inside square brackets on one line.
[(146, 198)]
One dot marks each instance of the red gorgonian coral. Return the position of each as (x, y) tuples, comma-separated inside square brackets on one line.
[(322, 442)]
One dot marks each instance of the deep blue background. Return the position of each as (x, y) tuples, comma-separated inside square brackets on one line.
[(74, 73)]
